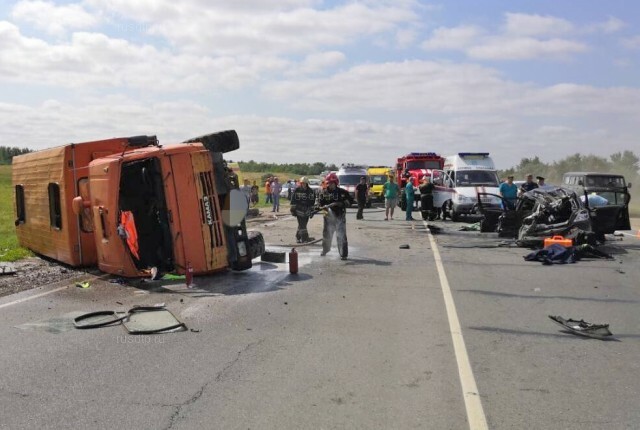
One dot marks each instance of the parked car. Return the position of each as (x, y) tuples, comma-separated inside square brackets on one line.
[(287, 189)]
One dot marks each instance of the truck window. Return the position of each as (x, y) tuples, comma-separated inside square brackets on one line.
[(423, 164), (55, 208), (466, 178), (20, 209), (378, 179), (350, 179)]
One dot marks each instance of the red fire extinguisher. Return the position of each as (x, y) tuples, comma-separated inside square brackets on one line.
[(293, 261), (189, 275)]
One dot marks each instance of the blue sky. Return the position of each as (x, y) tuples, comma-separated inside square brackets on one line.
[(312, 80)]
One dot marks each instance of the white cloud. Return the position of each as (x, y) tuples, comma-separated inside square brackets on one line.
[(93, 59), (523, 37), (317, 62), (53, 19), (229, 28), (524, 48), (631, 42), (611, 25), (521, 24), (453, 38)]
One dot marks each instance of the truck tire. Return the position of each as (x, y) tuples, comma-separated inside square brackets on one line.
[(223, 141), (255, 245)]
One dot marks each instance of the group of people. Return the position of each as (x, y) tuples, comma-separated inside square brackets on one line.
[(510, 191), (252, 192), (391, 191), (333, 201)]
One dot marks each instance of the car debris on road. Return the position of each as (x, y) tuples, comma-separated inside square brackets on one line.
[(583, 328)]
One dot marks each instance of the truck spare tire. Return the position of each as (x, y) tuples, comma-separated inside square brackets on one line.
[(255, 244), (222, 141)]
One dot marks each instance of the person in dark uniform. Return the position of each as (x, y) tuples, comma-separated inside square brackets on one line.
[(362, 189), (335, 200), (303, 200), (426, 199), (529, 185)]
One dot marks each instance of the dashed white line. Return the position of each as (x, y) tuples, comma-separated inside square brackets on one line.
[(472, 402)]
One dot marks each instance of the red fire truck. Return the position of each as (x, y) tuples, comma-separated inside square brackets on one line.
[(415, 166)]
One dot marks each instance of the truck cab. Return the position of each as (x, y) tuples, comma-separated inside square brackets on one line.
[(378, 176), (457, 185), (414, 167)]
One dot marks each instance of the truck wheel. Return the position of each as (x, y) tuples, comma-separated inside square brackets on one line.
[(223, 141), (255, 244)]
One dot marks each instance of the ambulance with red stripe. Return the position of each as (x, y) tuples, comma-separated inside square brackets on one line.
[(457, 185)]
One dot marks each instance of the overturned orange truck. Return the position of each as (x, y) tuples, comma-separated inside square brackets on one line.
[(129, 205)]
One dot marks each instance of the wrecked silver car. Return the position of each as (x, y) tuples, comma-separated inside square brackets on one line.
[(537, 214)]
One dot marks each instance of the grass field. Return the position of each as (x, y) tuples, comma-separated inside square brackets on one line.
[(9, 249)]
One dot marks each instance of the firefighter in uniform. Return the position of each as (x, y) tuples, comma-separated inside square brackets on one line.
[(303, 200), (335, 200)]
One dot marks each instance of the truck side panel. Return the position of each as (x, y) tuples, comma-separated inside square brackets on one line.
[(34, 172)]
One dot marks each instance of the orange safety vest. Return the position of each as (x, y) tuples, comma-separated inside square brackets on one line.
[(129, 225), (267, 187)]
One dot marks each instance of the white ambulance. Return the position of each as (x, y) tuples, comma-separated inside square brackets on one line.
[(464, 175)]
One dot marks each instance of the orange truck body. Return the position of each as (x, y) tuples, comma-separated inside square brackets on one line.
[(69, 202)]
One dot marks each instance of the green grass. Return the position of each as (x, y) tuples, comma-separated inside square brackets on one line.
[(9, 249)]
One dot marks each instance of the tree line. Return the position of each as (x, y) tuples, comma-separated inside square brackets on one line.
[(624, 163), (302, 169), (7, 153)]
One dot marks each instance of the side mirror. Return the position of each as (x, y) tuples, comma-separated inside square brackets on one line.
[(629, 185)]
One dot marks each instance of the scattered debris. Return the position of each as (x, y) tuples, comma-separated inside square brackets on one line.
[(273, 257), (151, 320), (98, 319), (84, 284), (434, 229), (120, 281), (195, 330), (7, 269), (470, 227), (559, 254), (405, 246), (583, 328)]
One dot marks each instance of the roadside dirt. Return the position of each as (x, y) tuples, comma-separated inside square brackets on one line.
[(35, 272)]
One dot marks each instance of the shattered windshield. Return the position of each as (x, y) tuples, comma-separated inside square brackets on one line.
[(466, 178)]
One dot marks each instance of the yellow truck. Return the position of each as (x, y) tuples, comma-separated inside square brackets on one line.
[(378, 175)]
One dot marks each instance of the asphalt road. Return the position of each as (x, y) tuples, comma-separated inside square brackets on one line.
[(366, 343)]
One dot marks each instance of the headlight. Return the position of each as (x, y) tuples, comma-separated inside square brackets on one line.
[(242, 249)]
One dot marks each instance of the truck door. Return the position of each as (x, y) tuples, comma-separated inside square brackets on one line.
[(444, 187)]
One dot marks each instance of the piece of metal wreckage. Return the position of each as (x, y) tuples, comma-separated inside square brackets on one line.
[(583, 328)]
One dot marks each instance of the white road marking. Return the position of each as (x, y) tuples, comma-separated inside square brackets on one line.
[(35, 296), (472, 402)]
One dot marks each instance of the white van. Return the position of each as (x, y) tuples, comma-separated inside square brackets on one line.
[(349, 176), (463, 176)]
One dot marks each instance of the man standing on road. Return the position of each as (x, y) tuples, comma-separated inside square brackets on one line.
[(302, 202), (276, 188), (335, 200), (509, 192), (361, 196), (529, 185), (390, 190), (267, 190), (426, 199), (410, 195)]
